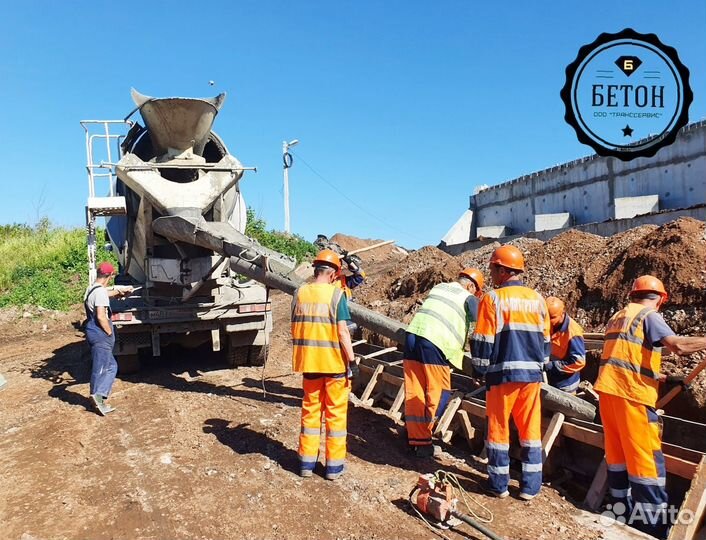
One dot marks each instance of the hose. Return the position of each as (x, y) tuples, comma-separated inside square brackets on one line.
[(476, 525)]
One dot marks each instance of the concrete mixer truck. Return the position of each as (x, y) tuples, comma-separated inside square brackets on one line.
[(173, 165)]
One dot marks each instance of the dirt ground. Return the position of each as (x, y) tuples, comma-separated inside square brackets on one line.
[(197, 451)]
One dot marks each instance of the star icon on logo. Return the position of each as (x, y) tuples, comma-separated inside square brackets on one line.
[(627, 131)]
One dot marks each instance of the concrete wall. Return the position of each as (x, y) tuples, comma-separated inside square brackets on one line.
[(587, 188), (461, 231), (606, 228)]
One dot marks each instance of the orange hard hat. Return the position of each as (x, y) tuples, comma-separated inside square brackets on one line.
[(509, 257), (476, 276), (556, 308), (649, 284), (327, 257)]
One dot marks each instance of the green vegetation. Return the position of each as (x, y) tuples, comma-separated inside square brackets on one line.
[(44, 265), (48, 266), (292, 245)]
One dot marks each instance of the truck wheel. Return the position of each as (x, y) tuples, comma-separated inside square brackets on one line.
[(237, 355), (257, 355), (128, 363)]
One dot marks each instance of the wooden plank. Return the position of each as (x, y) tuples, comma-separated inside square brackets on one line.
[(468, 429), (599, 487), (392, 379), (675, 465), (473, 408), (449, 413), (551, 434), (366, 369), (394, 411), (695, 502), (680, 467), (379, 353), (447, 435), (365, 396)]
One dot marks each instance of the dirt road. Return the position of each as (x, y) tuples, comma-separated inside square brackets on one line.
[(196, 451)]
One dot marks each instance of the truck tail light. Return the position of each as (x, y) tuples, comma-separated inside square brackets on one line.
[(254, 308)]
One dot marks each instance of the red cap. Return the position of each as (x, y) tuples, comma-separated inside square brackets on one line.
[(105, 269)]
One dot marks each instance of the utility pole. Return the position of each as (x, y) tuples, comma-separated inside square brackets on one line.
[(287, 161)]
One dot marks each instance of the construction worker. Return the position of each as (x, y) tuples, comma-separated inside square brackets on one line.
[(627, 383), (323, 352), (435, 338), (568, 356), (100, 335), (510, 346)]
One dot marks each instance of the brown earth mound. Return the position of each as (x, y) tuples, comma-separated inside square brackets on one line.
[(592, 274), (382, 253), (398, 290)]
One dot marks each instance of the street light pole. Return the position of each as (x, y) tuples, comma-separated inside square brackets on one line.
[(287, 163)]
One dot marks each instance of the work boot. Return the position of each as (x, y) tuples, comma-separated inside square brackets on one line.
[(496, 494), (336, 475), (101, 406), (306, 473), (426, 451), (527, 496)]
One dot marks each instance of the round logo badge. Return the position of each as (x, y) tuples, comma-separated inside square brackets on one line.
[(627, 95)]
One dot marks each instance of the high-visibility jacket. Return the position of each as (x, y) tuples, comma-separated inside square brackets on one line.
[(630, 365), (568, 356), (316, 347), (511, 340), (442, 319)]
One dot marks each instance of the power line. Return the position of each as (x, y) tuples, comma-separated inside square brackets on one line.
[(363, 209)]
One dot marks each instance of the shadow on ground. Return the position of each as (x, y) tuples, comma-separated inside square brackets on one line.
[(243, 440)]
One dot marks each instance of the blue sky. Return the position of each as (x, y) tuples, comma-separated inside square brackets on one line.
[(404, 107)]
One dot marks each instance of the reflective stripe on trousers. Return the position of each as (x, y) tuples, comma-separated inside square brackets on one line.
[(522, 402), (325, 397), (104, 367), (633, 451)]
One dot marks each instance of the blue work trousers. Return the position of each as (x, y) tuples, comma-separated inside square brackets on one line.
[(104, 366)]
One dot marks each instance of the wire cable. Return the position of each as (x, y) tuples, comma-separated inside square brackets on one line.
[(363, 209)]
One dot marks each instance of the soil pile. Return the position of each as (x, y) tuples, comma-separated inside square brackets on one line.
[(382, 253), (399, 290), (592, 274)]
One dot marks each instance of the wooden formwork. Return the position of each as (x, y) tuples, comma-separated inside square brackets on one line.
[(381, 388)]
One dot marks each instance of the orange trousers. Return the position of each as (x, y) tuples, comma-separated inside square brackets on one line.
[(427, 388), (522, 402), (633, 453), (325, 396)]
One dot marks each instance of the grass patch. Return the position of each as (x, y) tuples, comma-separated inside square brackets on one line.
[(44, 265), (288, 244), (48, 266)]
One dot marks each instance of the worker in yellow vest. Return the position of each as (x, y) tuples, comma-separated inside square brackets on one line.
[(323, 352), (628, 381), (435, 338)]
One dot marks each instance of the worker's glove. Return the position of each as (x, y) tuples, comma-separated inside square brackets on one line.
[(352, 262), (353, 370), (675, 380)]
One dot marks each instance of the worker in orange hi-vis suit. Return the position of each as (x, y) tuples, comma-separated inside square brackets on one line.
[(435, 338), (628, 380), (323, 352), (568, 356), (510, 347)]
